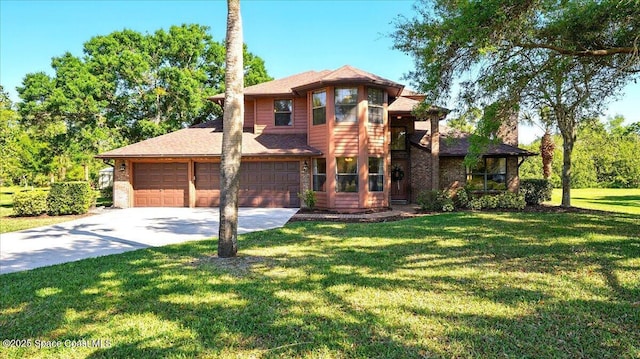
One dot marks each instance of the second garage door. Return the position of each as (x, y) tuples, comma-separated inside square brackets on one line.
[(262, 184)]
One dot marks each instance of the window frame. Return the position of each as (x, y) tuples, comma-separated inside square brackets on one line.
[(487, 176), (314, 108), (316, 175), (404, 146), (353, 105), (347, 177), (376, 180), (373, 105), (276, 112)]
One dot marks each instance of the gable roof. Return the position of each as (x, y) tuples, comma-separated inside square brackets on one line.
[(298, 84), (456, 144), (205, 140)]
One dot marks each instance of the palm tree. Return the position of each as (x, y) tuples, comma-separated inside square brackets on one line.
[(231, 134)]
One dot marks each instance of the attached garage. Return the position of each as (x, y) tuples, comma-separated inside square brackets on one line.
[(160, 185), (262, 184)]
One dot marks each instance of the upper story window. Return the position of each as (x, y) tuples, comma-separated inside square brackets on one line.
[(375, 99), (319, 104), (346, 174), (282, 110), (398, 138), (346, 104), (490, 174), (319, 174)]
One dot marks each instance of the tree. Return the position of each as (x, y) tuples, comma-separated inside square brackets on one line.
[(580, 52), (233, 116), (126, 87)]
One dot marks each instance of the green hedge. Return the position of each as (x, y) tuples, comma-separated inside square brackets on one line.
[(29, 203), (70, 198), (536, 191)]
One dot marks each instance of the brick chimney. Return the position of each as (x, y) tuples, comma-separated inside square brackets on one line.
[(508, 130), (435, 152)]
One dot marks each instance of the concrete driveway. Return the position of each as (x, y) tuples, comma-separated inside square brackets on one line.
[(120, 230)]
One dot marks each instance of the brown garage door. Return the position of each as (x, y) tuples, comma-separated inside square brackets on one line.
[(160, 185), (262, 184)]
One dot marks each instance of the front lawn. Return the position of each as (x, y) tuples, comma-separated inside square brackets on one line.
[(518, 285), (623, 200)]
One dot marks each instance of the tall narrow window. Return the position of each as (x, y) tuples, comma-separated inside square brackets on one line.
[(282, 110), (376, 174), (319, 107), (375, 99), (490, 174), (346, 104), (319, 174), (398, 138), (346, 174)]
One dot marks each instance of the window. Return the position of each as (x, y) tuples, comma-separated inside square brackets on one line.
[(282, 110), (376, 174), (398, 138), (319, 104), (346, 104), (319, 174), (375, 98), (490, 174), (346, 174)]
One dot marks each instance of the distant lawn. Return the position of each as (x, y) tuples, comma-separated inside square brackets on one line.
[(603, 199), (456, 285), (8, 223)]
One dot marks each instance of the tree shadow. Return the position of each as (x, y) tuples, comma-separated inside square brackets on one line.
[(453, 285)]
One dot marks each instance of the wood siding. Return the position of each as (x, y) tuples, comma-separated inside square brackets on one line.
[(249, 113), (265, 118)]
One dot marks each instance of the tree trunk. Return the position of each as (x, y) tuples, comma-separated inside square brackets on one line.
[(567, 146), (546, 151), (231, 134)]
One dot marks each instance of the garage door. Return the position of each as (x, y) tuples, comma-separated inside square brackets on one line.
[(160, 185), (262, 184)]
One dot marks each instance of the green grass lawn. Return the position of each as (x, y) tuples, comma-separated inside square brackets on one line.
[(622, 200), (484, 285), (9, 223)]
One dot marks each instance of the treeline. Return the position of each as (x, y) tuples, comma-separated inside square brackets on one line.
[(126, 87), (605, 155)]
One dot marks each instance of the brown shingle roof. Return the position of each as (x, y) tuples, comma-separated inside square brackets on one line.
[(456, 144), (205, 140), (300, 83)]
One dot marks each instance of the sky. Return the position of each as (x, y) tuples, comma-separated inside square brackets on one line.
[(290, 36)]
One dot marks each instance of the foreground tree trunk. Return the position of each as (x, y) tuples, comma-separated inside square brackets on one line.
[(232, 134), (567, 146), (546, 151)]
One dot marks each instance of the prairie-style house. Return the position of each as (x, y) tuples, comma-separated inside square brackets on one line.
[(348, 135)]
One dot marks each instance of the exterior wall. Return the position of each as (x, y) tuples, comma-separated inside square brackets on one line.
[(453, 173), (355, 139), (265, 119), (513, 178), (249, 113), (420, 172), (122, 188), (508, 130)]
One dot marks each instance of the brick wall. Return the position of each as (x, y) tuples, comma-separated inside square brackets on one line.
[(121, 185), (420, 171), (513, 180), (452, 173)]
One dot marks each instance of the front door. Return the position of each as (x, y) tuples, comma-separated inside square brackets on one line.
[(400, 179)]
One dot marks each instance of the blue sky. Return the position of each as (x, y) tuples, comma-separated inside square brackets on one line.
[(291, 36)]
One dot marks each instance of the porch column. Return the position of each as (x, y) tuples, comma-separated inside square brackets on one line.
[(435, 152)]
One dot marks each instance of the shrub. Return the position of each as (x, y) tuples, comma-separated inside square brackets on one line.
[(70, 198), (107, 193), (435, 201), (309, 198), (504, 200), (461, 198), (30, 203), (536, 191)]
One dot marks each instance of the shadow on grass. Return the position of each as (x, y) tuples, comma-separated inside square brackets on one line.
[(455, 285)]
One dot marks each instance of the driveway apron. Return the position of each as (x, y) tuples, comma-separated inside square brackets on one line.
[(115, 231)]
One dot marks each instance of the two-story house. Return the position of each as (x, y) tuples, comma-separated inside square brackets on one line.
[(348, 135)]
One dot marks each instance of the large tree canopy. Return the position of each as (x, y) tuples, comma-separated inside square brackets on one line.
[(126, 87), (570, 56)]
